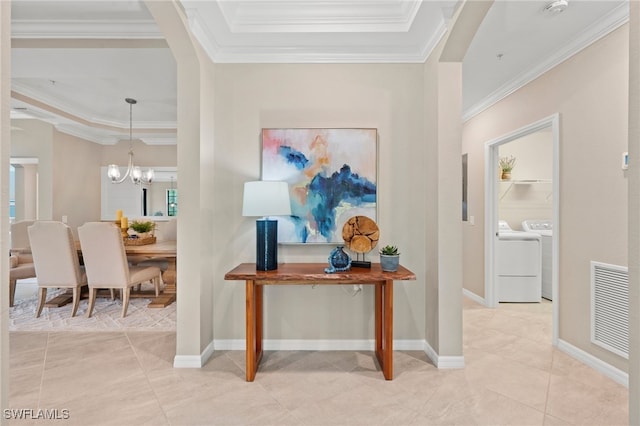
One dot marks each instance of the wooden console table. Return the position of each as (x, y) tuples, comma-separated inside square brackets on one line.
[(313, 273)]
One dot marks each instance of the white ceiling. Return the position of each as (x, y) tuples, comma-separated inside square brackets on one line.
[(74, 62)]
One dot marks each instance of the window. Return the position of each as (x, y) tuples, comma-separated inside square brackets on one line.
[(172, 202)]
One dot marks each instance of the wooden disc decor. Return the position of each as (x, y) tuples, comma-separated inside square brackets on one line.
[(360, 234)]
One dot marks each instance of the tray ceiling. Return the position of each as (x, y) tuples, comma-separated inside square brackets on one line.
[(74, 62)]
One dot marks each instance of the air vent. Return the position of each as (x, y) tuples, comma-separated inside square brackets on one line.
[(610, 307)]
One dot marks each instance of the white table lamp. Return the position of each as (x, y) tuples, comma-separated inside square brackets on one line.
[(266, 198)]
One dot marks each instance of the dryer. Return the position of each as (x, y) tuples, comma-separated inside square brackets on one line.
[(518, 265), (544, 228)]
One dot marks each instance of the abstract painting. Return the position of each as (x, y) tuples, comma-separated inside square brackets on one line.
[(331, 175)]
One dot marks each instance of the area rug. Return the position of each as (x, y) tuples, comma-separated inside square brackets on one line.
[(106, 316)]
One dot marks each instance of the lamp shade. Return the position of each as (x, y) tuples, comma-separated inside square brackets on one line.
[(266, 198)]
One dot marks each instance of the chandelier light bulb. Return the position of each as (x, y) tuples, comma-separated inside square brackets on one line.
[(113, 172)]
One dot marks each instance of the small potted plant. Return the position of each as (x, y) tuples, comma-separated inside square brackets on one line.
[(506, 165), (143, 228), (389, 258)]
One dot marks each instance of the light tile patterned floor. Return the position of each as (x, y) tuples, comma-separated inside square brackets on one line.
[(513, 377)]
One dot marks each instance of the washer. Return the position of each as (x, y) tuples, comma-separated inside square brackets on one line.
[(545, 229), (518, 265)]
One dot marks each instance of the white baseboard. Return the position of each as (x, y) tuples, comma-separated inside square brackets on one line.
[(471, 295), (194, 361), (442, 361), (597, 364), (317, 345), (197, 361)]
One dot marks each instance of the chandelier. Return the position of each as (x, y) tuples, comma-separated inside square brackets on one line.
[(135, 173)]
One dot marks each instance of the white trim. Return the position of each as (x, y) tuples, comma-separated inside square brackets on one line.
[(491, 210), (310, 55), (318, 345), (90, 29), (168, 139), (471, 295), (609, 23), (345, 345), (437, 36), (597, 364), (52, 107), (444, 362), (201, 32), (555, 240), (221, 51), (86, 133), (341, 16), (194, 361)]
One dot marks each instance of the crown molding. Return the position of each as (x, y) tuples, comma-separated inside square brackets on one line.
[(364, 52), (201, 32), (87, 133), (304, 55), (169, 139), (431, 44), (595, 32), (319, 16), (53, 106), (87, 29)]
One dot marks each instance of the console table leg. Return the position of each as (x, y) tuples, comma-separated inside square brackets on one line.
[(253, 300), (378, 320), (384, 327), (258, 292), (387, 355)]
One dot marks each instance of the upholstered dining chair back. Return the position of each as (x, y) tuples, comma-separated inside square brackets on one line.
[(56, 262), (105, 260), (19, 270), (54, 254), (21, 259), (104, 256), (20, 244)]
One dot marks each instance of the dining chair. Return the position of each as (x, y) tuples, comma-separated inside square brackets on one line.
[(20, 238), (106, 264), (21, 259), (56, 261), (21, 268)]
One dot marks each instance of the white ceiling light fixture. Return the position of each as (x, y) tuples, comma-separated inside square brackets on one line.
[(133, 172), (556, 7)]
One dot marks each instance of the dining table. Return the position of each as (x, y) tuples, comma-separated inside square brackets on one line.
[(165, 250)]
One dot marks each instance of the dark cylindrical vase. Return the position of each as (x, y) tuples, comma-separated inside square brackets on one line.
[(267, 245)]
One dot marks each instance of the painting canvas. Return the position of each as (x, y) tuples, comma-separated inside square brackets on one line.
[(331, 175)]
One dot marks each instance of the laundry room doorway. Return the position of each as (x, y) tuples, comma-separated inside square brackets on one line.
[(513, 202)]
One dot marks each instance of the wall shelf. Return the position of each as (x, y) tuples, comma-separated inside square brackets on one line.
[(524, 182)]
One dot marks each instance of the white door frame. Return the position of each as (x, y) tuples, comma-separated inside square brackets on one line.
[(491, 210)]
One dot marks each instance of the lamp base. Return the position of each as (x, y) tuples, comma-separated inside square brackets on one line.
[(266, 245)]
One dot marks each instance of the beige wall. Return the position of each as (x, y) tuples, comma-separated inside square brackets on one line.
[(590, 91), (386, 97), (144, 155), (76, 180), (34, 138)]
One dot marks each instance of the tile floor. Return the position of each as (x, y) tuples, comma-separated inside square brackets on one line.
[(513, 377)]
